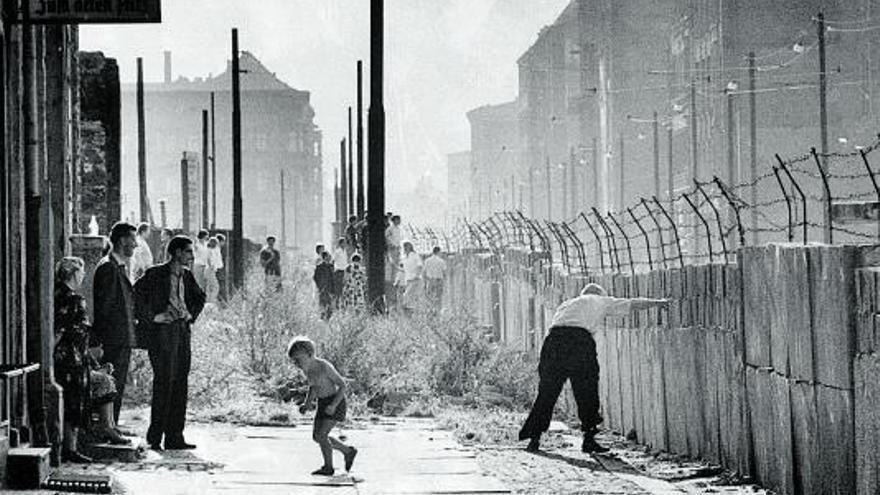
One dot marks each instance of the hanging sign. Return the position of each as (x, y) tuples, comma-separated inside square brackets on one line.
[(94, 11)]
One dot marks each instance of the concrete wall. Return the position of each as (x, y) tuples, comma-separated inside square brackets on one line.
[(767, 366)]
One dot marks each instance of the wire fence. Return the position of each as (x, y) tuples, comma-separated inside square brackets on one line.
[(814, 197)]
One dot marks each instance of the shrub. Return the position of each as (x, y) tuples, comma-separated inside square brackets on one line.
[(399, 363)]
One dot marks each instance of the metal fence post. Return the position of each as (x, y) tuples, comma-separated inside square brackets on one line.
[(674, 229), (705, 224), (645, 235), (644, 204), (598, 241), (717, 218)]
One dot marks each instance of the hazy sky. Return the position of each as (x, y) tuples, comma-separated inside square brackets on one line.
[(443, 58)]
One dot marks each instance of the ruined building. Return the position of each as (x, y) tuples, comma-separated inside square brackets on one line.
[(278, 134)]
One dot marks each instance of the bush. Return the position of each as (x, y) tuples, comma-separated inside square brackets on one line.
[(400, 364)]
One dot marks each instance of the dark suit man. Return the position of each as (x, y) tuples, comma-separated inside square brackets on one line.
[(114, 313), (167, 301)]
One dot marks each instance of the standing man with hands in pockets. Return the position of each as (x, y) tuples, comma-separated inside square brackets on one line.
[(113, 325), (569, 353), (167, 302)]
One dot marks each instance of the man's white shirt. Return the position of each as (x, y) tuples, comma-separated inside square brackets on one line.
[(435, 267), (589, 311), (412, 266)]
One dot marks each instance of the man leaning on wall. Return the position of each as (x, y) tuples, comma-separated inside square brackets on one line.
[(569, 353)]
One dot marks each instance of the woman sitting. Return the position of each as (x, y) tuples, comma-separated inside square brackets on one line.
[(85, 385)]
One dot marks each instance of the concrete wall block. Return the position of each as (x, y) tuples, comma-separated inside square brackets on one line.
[(836, 446), (760, 419), (755, 295), (867, 423), (832, 274), (804, 436), (866, 309), (782, 462)]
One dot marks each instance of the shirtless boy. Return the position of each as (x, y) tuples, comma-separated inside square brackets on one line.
[(328, 387)]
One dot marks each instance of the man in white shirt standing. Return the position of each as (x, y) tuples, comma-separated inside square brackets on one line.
[(143, 256), (340, 263), (412, 276), (435, 272), (393, 240), (569, 353), (201, 258)]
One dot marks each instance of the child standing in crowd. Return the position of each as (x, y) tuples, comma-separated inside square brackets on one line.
[(328, 387)]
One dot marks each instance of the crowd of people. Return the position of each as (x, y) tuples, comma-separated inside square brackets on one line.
[(340, 278), (139, 302)]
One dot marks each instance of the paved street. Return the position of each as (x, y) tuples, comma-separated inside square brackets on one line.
[(396, 456)]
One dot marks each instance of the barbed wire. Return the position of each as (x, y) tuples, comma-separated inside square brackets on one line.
[(700, 224)]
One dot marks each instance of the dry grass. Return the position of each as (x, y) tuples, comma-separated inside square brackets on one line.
[(424, 364)]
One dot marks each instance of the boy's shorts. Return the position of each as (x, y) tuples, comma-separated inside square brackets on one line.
[(338, 415)]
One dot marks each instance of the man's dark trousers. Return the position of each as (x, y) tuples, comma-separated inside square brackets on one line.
[(221, 284), (568, 353), (119, 355), (170, 358)]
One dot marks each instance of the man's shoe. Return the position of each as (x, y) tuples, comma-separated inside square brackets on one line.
[(591, 447), (534, 445), (324, 471), (156, 446), (349, 458), (179, 446), (74, 456)]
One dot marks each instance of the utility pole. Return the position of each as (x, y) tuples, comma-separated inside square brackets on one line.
[(596, 172), (512, 191), (732, 176), (163, 213), (337, 202), (694, 153), (343, 185), (237, 220), (670, 177), (620, 191), (531, 192), (694, 157), (656, 129), (376, 208), (283, 215), (564, 207), (142, 146), (184, 194), (205, 219), (823, 124), (361, 200), (731, 140), (753, 148), (572, 183), (351, 185), (213, 167), (549, 195)]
